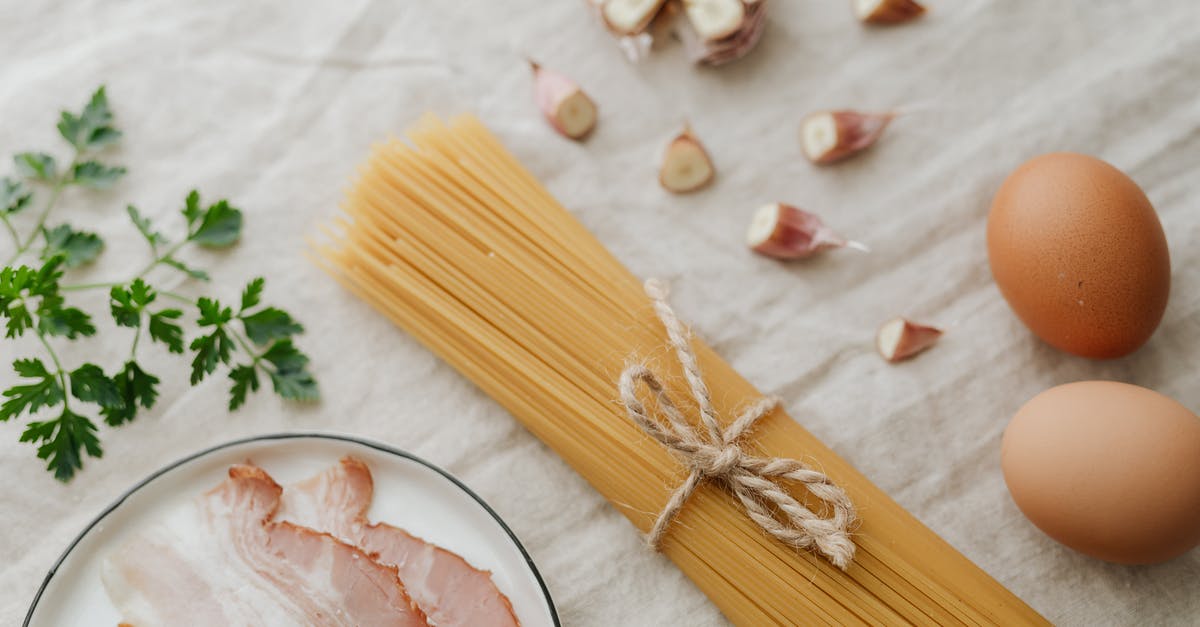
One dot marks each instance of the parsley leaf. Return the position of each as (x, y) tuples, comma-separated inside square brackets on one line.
[(211, 349), (270, 324), (90, 385), (212, 313), (137, 387), (76, 247), (291, 378), (141, 294), (162, 329), (146, 228), (245, 380), (18, 319), (191, 207), (218, 226), (285, 356), (128, 303), (253, 293), (38, 166), (14, 195), (295, 385), (182, 267), (48, 276), (95, 175), (63, 441), (92, 128), (215, 347), (19, 286), (68, 322), (45, 391)]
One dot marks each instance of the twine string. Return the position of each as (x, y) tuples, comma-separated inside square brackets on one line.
[(714, 455)]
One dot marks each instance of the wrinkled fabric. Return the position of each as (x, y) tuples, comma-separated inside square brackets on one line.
[(274, 104)]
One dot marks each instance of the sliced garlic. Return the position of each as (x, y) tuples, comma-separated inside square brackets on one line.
[(629, 17), (715, 19), (714, 31), (563, 103), (899, 339), (786, 232), (686, 166), (730, 48), (829, 136)]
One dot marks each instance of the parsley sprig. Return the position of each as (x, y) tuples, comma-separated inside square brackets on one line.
[(252, 343)]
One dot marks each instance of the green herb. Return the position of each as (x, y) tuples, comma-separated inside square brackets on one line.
[(77, 248), (253, 342)]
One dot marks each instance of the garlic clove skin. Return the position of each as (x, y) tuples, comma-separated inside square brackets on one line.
[(715, 19), (785, 232), (899, 339), (629, 17), (686, 166), (563, 103), (829, 136), (887, 11)]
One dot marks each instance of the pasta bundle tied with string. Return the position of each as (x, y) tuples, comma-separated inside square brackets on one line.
[(459, 245)]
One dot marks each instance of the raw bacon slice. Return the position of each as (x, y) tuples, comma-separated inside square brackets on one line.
[(447, 588), (227, 563)]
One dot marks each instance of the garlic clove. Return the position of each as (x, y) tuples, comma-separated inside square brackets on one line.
[(830, 136), (786, 232), (887, 11), (899, 339), (715, 19), (563, 103), (686, 166), (732, 47), (629, 17)]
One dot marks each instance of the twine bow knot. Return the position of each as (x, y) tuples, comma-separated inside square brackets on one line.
[(714, 454)]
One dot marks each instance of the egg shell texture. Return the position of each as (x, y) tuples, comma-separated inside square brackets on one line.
[(1078, 252), (1109, 469)]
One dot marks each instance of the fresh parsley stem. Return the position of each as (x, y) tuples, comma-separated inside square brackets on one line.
[(62, 374), (55, 191), (11, 231), (159, 258), (178, 297), (137, 335), (245, 344), (87, 286), (97, 286)]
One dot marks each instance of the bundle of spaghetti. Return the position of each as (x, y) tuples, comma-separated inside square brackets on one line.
[(459, 245)]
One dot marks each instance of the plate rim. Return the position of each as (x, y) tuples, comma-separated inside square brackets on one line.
[(290, 435)]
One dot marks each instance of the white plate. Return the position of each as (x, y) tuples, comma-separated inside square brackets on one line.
[(409, 493)]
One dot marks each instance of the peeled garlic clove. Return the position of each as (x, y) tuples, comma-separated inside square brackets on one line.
[(686, 166), (715, 19), (830, 136), (786, 232), (564, 104), (900, 339), (887, 11), (629, 17)]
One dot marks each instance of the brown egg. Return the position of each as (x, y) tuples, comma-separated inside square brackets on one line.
[(1079, 254), (1108, 469)]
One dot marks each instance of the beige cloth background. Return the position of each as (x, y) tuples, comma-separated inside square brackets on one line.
[(273, 104)]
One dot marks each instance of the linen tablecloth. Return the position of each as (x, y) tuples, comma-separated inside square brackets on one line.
[(274, 104)]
